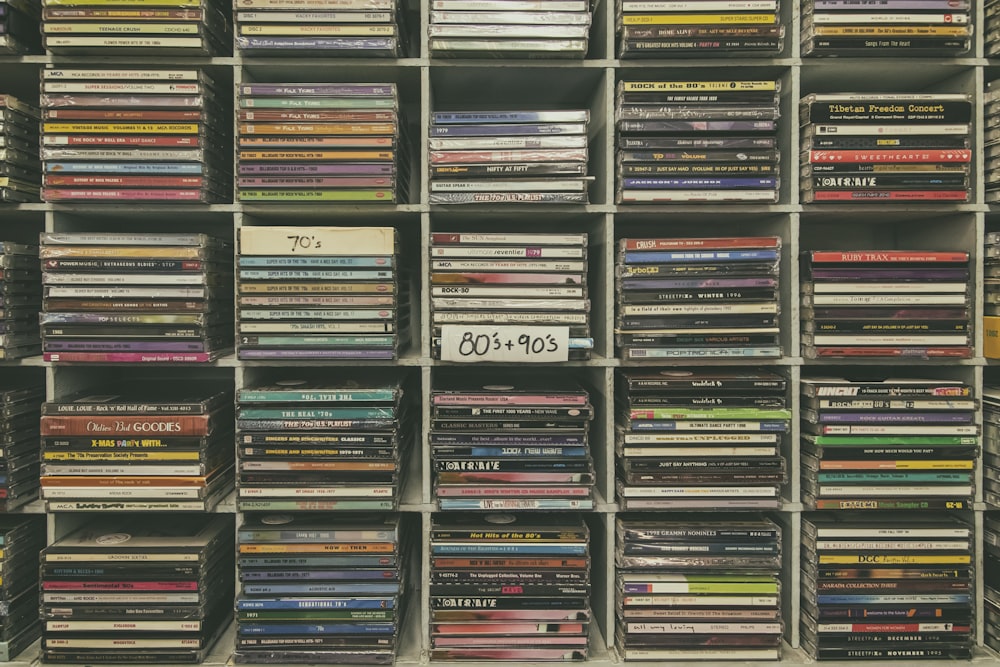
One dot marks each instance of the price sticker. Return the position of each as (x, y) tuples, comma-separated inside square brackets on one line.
[(469, 344)]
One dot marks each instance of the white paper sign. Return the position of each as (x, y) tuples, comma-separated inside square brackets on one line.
[(512, 343), (317, 241)]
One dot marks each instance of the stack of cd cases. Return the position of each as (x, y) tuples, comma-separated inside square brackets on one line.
[(321, 293), (887, 587), (733, 28), (359, 28), (320, 589), (886, 303), (130, 590), (991, 446), (684, 141), (20, 300), (133, 448), (698, 297), (133, 27), (701, 439), (991, 149), (933, 29), (509, 28), (509, 156), (19, 33), (20, 163), (20, 411), (129, 135), (512, 447), (991, 568), (511, 279), (136, 298), (320, 142), (991, 283), (888, 444), (869, 147), (698, 590), (21, 538), (509, 587), (991, 43), (323, 445)]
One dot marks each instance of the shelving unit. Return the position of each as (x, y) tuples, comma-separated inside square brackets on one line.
[(427, 84)]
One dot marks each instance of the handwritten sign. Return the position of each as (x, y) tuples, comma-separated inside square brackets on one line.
[(523, 344)]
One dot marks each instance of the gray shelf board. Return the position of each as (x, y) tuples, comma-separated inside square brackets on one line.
[(414, 360), (228, 361), (702, 512), (227, 505), (432, 508), (888, 64), (421, 508), (599, 650), (25, 361), (786, 507), (786, 650), (409, 359), (820, 213), (28, 59), (61, 59), (36, 506), (796, 656), (601, 504), (28, 657), (410, 499), (313, 61), (328, 211), (906, 74), (605, 507), (18, 208), (703, 209), (324, 69), (409, 652), (984, 654), (594, 63), (221, 653), (600, 656), (888, 361), (889, 209), (702, 361), (133, 208), (522, 209), (714, 62)]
